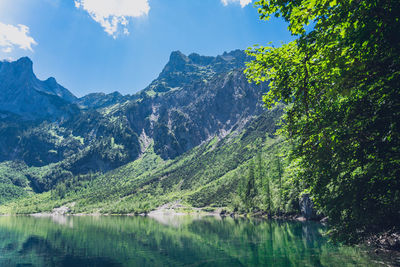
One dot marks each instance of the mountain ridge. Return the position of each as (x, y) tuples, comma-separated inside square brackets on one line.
[(182, 69), (195, 101)]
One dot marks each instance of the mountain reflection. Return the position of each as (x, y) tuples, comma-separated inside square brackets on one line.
[(168, 241)]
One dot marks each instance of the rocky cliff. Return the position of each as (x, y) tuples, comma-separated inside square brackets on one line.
[(21, 93)]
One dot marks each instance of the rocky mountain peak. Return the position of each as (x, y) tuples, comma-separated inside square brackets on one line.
[(52, 87), (200, 60), (51, 81), (100, 100), (24, 61), (23, 68), (182, 70), (177, 62), (178, 57), (22, 93), (22, 65), (116, 94)]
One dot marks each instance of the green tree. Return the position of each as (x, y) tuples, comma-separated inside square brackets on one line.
[(260, 167), (240, 202), (279, 173), (61, 190), (251, 190), (267, 192), (341, 81)]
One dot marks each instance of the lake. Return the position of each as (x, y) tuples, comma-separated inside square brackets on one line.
[(169, 241)]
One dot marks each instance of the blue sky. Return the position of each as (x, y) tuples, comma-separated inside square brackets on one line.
[(108, 45)]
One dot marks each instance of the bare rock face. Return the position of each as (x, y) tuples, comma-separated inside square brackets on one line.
[(61, 210), (194, 99), (307, 207), (21, 93), (182, 70)]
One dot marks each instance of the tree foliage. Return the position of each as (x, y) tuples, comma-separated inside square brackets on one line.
[(340, 79)]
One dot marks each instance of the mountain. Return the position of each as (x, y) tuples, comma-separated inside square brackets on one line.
[(208, 97), (183, 118), (21, 93), (181, 70), (101, 100), (197, 106), (194, 124)]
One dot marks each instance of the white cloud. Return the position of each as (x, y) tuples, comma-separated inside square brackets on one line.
[(242, 3), (114, 13), (6, 49), (15, 36)]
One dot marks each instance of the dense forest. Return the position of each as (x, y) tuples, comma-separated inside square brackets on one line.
[(340, 80)]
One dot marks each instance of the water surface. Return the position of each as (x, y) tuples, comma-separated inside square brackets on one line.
[(168, 241)]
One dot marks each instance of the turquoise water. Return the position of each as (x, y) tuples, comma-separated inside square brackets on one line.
[(168, 241)]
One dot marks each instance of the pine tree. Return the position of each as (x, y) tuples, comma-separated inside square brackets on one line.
[(250, 188), (279, 173)]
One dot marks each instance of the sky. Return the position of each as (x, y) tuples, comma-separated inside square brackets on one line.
[(122, 45)]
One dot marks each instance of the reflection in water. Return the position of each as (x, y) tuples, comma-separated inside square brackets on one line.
[(172, 241), (63, 220)]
